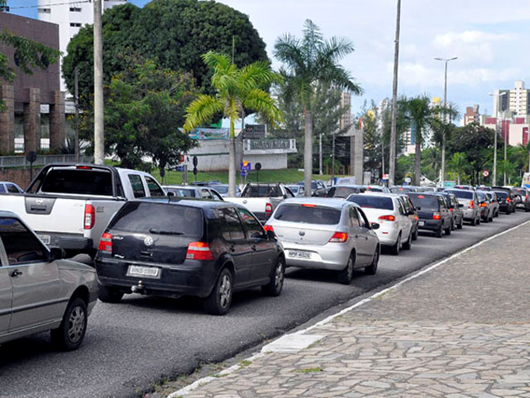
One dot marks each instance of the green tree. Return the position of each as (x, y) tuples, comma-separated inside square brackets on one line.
[(419, 115), (174, 33), (457, 164), (236, 89), (144, 107), (310, 60)]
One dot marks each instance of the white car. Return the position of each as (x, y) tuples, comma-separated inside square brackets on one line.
[(395, 226)]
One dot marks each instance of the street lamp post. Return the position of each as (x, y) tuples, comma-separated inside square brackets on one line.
[(447, 119)]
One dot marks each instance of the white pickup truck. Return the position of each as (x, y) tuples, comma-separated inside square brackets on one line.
[(69, 205), (262, 199)]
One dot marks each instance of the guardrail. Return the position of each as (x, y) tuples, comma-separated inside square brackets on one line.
[(7, 162)]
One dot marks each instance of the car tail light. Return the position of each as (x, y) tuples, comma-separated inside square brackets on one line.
[(436, 216), (90, 216), (388, 217), (484, 204), (308, 205), (451, 209), (471, 205), (526, 198), (105, 243), (268, 228), (339, 237), (508, 200), (199, 251), (416, 218), (268, 209)]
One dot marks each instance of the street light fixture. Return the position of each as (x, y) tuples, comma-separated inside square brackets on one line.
[(447, 119)]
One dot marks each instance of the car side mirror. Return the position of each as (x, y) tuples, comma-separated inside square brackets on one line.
[(171, 194), (57, 253), (271, 235), (374, 225)]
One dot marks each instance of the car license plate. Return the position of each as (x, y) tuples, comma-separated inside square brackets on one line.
[(46, 239), (299, 254), (421, 223), (149, 272)]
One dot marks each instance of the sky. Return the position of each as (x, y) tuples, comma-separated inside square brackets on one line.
[(489, 37)]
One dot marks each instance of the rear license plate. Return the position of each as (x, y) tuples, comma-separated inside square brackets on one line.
[(421, 223), (149, 272), (46, 239), (299, 254)]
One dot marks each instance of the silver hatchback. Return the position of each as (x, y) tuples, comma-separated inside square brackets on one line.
[(328, 234), (39, 291)]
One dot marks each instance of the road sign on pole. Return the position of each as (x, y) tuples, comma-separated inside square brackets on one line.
[(246, 166), (485, 173)]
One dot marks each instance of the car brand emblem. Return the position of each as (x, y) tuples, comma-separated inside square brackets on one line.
[(39, 201), (301, 233), (148, 241)]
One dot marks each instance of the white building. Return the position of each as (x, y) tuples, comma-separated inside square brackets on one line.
[(515, 101), (70, 16)]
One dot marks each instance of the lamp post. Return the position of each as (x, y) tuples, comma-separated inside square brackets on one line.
[(447, 119)]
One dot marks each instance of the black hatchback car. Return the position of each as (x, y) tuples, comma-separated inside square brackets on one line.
[(174, 247), (433, 212)]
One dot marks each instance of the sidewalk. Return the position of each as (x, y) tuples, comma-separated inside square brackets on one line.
[(462, 329)]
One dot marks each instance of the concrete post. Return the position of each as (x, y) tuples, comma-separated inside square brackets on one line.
[(32, 121), (57, 122), (7, 120)]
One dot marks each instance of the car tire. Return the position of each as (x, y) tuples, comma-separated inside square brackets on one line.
[(491, 218), (473, 222), (275, 286), (346, 275), (453, 224), (526, 209), (416, 232), (70, 334), (372, 268), (397, 246), (109, 294), (408, 244), (439, 232), (448, 230), (461, 224), (219, 300)]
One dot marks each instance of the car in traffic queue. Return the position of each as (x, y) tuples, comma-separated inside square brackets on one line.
[(40, 290), (403, 189), (388, 210), (469, 199), (508, 201), (297, 190), (433, 212), (222, 189), (318, 188), (202, 248), (524, 194), (412, 213), (455, 208), (331, 234), (9, 187), (494, 202), (486, 207), (193, 191)]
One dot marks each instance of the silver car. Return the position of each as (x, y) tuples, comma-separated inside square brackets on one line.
[(471, 204), (328, 234), (39, 291)]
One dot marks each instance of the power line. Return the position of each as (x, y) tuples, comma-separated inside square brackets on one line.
[(52, 5)]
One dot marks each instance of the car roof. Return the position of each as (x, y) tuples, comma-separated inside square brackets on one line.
[(190, 202), (329, 202)]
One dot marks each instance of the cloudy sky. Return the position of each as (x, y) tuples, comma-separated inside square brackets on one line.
[(489, 37)]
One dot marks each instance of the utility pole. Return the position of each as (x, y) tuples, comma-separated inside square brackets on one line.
[(505, 145), (99, 139), (76, 102), (333, 158), (447, 118), (393, 132), (320, 156)]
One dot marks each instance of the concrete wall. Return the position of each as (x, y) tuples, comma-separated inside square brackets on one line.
[(21, 177)]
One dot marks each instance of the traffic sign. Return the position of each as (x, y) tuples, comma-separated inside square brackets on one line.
[(258, 166), (246, 166), (195, 161), (485, 173)]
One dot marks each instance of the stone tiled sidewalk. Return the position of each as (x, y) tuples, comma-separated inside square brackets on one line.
[(460, 330)]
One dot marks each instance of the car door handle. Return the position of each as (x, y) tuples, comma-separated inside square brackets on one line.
[(16, 273), (253, 247)]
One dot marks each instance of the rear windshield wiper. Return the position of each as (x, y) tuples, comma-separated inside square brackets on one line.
[(162, 232)]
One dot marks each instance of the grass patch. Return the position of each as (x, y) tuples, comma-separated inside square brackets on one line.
[(309, 370)]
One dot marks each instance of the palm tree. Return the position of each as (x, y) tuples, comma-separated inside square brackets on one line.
[(442, 129), (311, 60), (419, 115), (458, 161), (236, 89)]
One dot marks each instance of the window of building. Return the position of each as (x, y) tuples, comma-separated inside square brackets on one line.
[(75, 24), (75, 9), (45, 10)]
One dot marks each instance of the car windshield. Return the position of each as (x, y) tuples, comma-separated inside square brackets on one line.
[(372, 202), (425, 202), (308, 213), (343, 192), (221, 188), (294, 188), (182, 192), (463, 194), (262, 191), (158, 218)]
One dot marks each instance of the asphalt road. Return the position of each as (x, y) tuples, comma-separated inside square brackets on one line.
[(145, 340)]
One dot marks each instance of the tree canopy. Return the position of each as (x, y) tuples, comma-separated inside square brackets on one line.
[(174, 33)]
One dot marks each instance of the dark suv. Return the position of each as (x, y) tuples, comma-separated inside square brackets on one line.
[(173, 247), (524, 202), (433, 212), (506, 197), (455, 208)]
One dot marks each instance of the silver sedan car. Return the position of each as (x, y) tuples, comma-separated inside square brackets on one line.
[(39, 291), (328, 234)]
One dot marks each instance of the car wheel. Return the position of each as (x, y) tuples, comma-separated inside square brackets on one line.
[(448, 230), (109, 294), (219, 300), (416, 232), (453, 224), (397, 246), (346, 275), (70, 334), (461, 224), (275, 286), (491, 218), (439, 232), (526, 209), (479, 220), (408, 244), (372, 268)]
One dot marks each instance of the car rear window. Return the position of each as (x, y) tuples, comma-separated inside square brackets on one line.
[(425, 202), (463, 194), (262, 191), (308, 213), (520, 191), (182, 192), (221, 188), (78, 181), (501, 194), (343, 192), (161, 218), (372, 202)]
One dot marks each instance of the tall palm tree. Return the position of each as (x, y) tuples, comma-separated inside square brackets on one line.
[(458, 161), (442, 129), (308, 61), (236, 89), (419, 115)]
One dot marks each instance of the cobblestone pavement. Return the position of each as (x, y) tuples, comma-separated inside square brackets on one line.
[(460, 330)]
